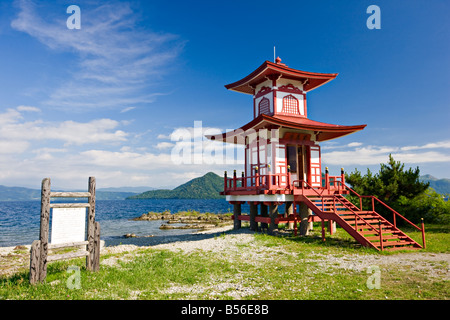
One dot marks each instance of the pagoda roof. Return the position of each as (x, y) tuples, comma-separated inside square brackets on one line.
[(323, 131), (269, 69)]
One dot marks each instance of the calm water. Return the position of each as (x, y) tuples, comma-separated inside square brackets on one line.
[(19, 220)]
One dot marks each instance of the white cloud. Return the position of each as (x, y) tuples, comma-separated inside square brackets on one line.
[(117, 60), (127, 109), (373, 155), (13, 130), (164, 145), (28, 108), (432, 145), (354, 144)]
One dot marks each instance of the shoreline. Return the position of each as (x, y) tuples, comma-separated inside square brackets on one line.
[(15, 259), (138, 241), (183, 220)]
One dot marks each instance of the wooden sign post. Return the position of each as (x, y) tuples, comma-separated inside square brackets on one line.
[(63, 234)]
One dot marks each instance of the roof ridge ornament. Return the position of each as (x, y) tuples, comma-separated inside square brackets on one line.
[(278, 61)]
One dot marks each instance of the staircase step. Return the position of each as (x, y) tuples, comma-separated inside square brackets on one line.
[(394, 243), (386, 237), (359, 212), (372, 231), (415, 247), (367, 223), (372, 222)]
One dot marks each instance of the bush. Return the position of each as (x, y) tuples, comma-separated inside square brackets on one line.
[(401, 190)]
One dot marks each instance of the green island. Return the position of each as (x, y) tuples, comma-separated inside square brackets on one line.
[(206, 187)]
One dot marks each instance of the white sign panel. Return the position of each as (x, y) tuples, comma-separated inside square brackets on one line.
[(68, 225)]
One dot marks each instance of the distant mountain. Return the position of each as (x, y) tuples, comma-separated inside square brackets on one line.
[(126, 189), (441, 186), (26, 194), (19, 194), (206, 187)]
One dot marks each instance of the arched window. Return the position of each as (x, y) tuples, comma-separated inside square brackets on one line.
[(290, 105), (264, 106)]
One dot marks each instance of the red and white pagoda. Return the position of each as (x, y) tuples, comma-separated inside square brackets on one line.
[(283, 161)]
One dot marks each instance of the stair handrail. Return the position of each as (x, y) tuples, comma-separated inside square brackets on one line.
[(356, 214), (392, 210), (303, 191), (336, 198)]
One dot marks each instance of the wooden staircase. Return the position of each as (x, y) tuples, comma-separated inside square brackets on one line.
[(369, 228)]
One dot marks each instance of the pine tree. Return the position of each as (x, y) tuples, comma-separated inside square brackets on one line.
[(392, 185)]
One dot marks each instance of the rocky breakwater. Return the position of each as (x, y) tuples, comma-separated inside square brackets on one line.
[(188, 219)]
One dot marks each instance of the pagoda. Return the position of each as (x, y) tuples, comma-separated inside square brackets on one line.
[(283, 163)]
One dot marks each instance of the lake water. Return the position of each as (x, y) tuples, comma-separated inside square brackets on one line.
[(20, 220)]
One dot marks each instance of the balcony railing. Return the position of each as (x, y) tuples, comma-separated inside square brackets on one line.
[(279, 181)]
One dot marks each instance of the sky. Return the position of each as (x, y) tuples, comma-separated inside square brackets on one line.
[(140, 82)]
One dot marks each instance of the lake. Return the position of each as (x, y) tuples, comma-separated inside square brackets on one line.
[(20, 220)]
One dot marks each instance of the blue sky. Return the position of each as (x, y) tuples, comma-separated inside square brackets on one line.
[(108, 99)]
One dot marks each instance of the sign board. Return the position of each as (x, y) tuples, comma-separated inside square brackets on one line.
[(68, 225)]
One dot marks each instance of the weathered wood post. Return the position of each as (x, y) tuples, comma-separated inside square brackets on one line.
[(90, 259), (289, 212), (39, 248), (35, 255), (305, 225), (264, 213), (225, 179), (273, 213), (332, 226), (253, 213), (96, 253), (237, 213), (43, 233)]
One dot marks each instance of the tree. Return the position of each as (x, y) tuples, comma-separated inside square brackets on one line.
[(393, 185)]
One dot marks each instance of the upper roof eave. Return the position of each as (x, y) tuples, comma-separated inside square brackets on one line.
[(246, 84), (325, 131)]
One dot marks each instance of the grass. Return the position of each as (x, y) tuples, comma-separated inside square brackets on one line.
[(279, 268)]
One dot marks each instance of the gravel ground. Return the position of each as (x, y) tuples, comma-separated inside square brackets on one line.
[(229, 242)]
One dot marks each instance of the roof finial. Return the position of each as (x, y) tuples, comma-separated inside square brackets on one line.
[(278, 60)]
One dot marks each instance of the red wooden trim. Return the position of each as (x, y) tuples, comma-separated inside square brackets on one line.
[(297, 142), (290, 88), (263, 91), (244, 217), (254, 108), (236, 202), (304, 105)]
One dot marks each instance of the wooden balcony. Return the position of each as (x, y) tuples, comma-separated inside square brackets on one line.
[(281, 183)]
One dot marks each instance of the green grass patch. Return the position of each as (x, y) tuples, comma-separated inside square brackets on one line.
[(268, 267)]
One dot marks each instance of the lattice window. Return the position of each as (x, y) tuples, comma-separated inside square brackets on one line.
[(290, 105), (264, 106)]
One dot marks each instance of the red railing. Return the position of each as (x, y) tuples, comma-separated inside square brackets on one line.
[(357, 216), (277, 181), (394, 213), (271, 181)]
